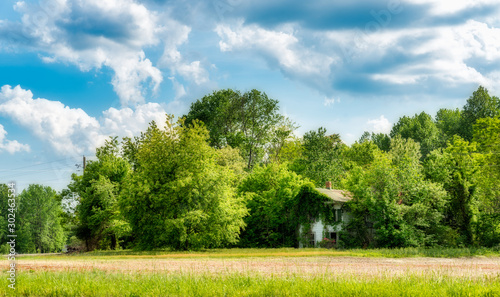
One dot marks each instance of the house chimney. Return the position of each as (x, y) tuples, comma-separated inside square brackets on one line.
[(328, 185)]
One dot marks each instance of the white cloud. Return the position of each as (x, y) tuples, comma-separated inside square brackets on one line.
[(453, 54), (71, 131), (11, 146), (330, 101), (175, 34), (128, 122), (68, 130), (113, 33), (281, 48), (444, 7), (380, 125), (178, 88)]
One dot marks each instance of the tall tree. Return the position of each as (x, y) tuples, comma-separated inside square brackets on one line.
[(420, 128), (457, 168), (448, 122), (100, 221), (487, 136), (182, 194), (39, 221), (321, 157), (270, 191), (479, 105), (246, 121), (393, 205)]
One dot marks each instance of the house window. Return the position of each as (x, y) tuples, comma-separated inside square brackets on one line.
[(312, 239), (333, 235), (338, 215)]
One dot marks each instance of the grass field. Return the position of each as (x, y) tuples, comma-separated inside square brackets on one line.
[(260, 272)]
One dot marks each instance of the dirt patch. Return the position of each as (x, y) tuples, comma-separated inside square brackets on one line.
[(463, 267)]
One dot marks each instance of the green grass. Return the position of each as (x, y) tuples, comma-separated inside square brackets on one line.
[(250, 283), (97, 283)]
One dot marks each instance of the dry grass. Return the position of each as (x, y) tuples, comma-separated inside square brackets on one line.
[(313, 265)]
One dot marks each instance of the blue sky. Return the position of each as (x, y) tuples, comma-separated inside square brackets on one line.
[(73, 72)]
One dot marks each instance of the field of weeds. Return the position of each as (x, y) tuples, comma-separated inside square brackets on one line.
[(253, 272)]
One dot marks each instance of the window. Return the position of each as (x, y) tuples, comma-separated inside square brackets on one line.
[(338, 215), (333, 235), (312, 238)]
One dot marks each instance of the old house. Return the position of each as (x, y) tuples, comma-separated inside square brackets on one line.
[(327, 222)]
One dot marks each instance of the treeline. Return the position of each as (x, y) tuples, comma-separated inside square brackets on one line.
[(232, 173)]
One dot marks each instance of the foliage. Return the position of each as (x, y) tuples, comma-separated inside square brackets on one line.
[(479, 105), (393, 205), (421, 128), (311, 206), (248, 121), (101, 224), (456, 168), (181, 194), (38, 221), (487, 136), (321, 157), (448, 123), (270, 192)]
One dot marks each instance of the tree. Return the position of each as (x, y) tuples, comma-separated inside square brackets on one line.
[(270, 191), (182, 194), (456, 168), (487, 136), (246, 121), (421, 128), (361, 153), (393, 205), (448, 122), (39, 222), (479, 105), (101, 224), (321, 157)]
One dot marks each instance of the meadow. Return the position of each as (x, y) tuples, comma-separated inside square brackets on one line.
[(261, 272)]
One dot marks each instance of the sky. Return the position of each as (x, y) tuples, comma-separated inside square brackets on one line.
[(74, 72)]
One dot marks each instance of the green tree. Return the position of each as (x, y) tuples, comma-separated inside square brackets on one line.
[(248, 121), (487, 136), (420, 128), (448, 122), (101, 224), (361, 153), (39, 222), (479, 105), (270, 192), (457, 168), (182, 195), (321, 158), (393, 205)]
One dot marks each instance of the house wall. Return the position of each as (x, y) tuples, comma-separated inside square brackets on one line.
[(318, 228)]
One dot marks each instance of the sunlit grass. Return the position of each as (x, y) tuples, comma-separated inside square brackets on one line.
[(98, 283)]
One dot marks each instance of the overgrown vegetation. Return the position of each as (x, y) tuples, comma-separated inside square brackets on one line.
[(232, 174), (97, 283)]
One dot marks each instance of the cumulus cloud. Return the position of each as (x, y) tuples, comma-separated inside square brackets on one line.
[(280, 47), (449, 55), (113, 33), (11, 146), (445, 7), (380, 125), (92, 34), (72, 131), (175, 34)]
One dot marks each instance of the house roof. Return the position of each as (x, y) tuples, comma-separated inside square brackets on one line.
[(336, 195)]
